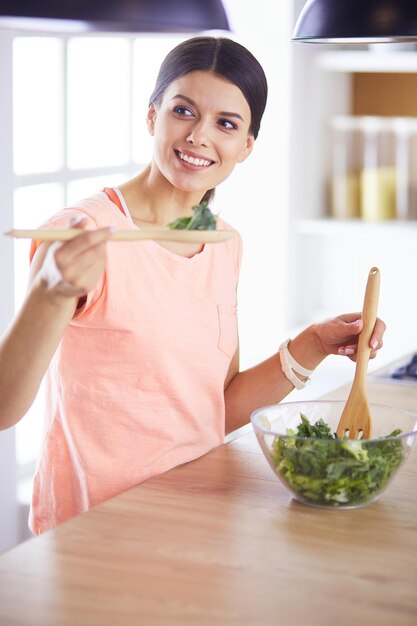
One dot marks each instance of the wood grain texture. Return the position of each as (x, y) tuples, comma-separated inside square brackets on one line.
[(180, 236), (219, 541), (356, 417)]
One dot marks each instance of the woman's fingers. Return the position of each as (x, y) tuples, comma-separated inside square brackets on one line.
[(339, 331), (83, 242), (350, 318), (347, 350), (85, 269), (340, 335), (78, 221), (73, 268), (376, 341)]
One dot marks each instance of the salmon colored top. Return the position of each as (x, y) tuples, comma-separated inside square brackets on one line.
[(136, 385)]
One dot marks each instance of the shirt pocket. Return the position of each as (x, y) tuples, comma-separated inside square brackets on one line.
[(227, 341)]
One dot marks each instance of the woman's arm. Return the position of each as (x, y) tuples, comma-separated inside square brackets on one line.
[(29, 343), (266, 383)]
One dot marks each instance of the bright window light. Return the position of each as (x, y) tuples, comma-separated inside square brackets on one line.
[(37, 104), (83, 187), (98, 101)]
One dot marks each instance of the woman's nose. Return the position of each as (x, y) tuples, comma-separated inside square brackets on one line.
[(199, 135)]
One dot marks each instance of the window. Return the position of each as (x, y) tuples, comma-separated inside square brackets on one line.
[(79, 123)]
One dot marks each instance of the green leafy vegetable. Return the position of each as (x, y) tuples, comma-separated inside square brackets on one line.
[(326, 470), (202, 219)]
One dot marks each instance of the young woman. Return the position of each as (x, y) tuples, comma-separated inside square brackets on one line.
[(139, 339)]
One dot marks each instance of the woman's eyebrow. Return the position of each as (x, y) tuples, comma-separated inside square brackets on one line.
[(186, 98), (190, 101), (231, 114)]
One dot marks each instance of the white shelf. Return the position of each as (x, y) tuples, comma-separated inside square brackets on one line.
[(367, 61), (355, 226)]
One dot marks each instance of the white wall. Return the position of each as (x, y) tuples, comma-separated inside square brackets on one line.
[(256, 197)]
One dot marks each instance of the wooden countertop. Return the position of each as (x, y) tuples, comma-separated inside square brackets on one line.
[(219, 541)]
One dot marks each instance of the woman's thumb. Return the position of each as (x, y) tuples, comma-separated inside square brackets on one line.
[(356, 326), (76, 222)]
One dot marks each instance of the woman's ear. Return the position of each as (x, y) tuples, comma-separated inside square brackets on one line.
[(247, 149), (150, 119)]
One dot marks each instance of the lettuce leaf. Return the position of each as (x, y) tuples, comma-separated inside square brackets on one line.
[(202, 219)]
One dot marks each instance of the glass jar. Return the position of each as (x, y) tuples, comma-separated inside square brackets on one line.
[(378, 180), (345, 166), (411, 197)]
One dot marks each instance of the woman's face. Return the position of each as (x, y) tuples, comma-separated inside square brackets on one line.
[(201, 130)]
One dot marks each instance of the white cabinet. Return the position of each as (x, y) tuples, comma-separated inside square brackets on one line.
[(329, 259), (349, 61)]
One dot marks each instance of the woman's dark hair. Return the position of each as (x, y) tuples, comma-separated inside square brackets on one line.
[(225, 58)]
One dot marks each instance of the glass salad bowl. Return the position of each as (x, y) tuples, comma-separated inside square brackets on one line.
[(298, 441)]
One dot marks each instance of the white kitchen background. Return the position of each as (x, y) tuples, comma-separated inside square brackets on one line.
[(72, 120)]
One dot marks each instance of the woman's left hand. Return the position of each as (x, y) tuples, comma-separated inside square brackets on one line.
[(340, 335)]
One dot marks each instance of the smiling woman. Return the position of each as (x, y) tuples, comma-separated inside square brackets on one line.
[(140, 339)]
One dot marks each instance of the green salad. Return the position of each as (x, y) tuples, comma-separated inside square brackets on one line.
[(202, 219), (327, 470)]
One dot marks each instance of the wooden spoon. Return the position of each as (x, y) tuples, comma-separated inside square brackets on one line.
[(161, 234), (356, 418)]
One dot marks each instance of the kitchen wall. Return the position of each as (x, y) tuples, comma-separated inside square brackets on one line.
[(256, 197)]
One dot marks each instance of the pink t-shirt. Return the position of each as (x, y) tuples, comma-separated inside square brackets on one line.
[(136, 385)]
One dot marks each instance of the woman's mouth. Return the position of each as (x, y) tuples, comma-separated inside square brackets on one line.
[(192, 160)]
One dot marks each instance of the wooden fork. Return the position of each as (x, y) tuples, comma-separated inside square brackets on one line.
[(356, 421)]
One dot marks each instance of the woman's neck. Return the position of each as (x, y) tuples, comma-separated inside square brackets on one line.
[(152, 201)]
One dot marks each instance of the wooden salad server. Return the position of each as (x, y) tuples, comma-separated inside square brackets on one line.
[(180, 236), (356, 421)]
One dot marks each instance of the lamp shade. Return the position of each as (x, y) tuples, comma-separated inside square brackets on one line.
[(357, 21), (166, 16)]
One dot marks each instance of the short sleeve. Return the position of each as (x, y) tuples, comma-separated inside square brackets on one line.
[(61, 220)]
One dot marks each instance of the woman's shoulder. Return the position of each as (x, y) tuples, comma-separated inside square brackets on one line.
[(97, 208), (232, 246), (221, 224)]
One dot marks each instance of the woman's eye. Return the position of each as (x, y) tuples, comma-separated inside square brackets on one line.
[(180, 110), (227, 124)]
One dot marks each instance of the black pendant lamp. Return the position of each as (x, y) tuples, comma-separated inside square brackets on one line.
[(357, 21), (148, 16)]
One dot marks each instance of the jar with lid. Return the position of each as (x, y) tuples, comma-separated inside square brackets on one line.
[(378, 180), (407, 155), (345, 166)]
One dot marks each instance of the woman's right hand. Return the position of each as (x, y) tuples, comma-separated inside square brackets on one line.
[(73, 268)]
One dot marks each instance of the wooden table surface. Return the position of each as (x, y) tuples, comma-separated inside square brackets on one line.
[(219, 541)]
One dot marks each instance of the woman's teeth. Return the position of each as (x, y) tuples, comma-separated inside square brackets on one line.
[(193, 160)]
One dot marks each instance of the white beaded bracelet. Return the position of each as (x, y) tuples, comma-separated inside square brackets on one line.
[(291, 368)]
